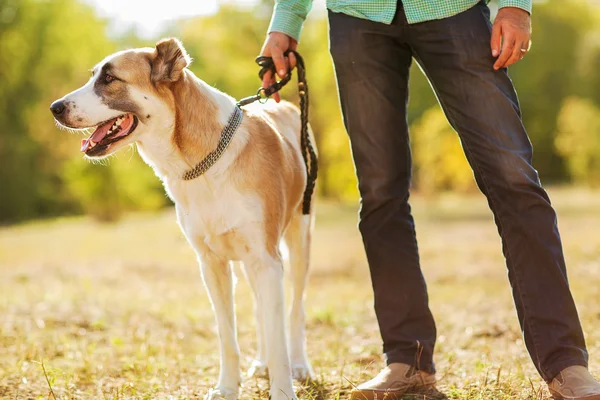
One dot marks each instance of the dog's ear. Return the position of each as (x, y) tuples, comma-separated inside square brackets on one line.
[(170, 58)]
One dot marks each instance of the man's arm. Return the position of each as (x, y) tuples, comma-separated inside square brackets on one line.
[(512, 32), (283, 34), (289, 16)]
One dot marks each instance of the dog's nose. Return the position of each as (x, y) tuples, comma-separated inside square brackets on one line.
[(58, 107)]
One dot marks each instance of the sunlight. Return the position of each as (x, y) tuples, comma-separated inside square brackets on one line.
[(148, 17)]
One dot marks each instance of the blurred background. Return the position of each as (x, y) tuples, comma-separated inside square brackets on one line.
[(47, 47), (100, 294)]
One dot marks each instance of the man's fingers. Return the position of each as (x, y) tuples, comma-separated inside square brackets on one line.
[(517, 54), (279, 61), (269, 80), (506, 53), (524, 48), (292, 58), (496, 40)]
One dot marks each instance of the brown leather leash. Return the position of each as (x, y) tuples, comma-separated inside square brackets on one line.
[(308, 151)]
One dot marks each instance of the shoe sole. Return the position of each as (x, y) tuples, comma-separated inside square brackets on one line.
[(558, 396), (389, 395)]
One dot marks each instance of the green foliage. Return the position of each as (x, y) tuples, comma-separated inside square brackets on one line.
[(37, 54), (551, 72), (441, 164), (106, 191), (578, 139)]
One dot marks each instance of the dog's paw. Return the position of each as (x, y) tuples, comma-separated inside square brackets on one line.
[(302, 372), (282, 394), (258, 369), (221, 394)]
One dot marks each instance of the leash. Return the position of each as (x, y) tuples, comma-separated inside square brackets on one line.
[(262, 95)]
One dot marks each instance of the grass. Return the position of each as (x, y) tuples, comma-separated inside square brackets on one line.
[(95, 311)]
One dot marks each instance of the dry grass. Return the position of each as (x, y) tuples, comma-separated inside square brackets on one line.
[(118, 311)]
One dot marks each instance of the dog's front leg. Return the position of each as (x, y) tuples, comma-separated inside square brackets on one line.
[(217, 276), (266, 277)]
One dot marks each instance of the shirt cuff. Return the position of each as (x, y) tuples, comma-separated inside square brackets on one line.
[(287, 22), (522, 4)]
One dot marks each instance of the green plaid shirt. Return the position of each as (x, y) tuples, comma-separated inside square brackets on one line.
[(289, 15)]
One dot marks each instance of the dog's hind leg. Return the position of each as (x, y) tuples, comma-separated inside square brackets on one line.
[(258, 367), (297, 239), (265, 273), (218, 278)]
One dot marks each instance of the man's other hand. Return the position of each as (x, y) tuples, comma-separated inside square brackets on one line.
[(512, 31)]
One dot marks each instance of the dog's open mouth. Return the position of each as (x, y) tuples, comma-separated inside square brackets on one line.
[(109, 132)]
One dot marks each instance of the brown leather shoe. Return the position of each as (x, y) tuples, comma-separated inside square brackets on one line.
[(393, 382), (575, 383)]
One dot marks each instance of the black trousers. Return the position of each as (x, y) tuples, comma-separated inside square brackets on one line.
[(372, 63)]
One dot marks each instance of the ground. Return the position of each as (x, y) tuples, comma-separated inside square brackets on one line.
[(118, 311)]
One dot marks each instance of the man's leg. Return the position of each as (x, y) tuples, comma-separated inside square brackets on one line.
[(483, 107), (372, 66)]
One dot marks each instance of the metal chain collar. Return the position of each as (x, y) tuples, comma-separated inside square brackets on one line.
[(226, 136)]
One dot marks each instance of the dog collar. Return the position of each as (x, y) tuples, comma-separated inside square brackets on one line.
[(226, 136)]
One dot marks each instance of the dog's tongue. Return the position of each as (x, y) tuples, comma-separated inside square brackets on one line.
[(98, 135)]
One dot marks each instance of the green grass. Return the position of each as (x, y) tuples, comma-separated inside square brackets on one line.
[(119, 312)]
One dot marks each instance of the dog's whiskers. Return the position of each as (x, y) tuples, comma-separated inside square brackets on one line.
[(72, 130), (132, 151)]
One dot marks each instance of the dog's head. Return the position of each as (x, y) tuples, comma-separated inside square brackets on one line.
[(127, 96)]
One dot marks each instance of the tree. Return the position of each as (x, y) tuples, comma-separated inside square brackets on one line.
[(578, 139), (438, 156)]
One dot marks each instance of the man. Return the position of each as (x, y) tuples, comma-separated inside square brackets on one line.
[(372, 43)]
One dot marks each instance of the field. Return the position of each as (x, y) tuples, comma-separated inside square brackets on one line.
[(118, 311)]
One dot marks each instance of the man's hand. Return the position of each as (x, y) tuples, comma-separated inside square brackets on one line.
[(275, 45), (512, 31)]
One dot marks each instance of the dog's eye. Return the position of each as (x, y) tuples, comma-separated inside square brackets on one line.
[(108, 78)]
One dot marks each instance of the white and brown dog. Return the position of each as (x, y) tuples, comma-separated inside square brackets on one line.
[(238, 210)]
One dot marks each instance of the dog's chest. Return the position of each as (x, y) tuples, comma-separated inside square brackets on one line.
[(219, 216)]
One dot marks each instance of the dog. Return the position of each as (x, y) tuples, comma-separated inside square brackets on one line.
[(240, 209)]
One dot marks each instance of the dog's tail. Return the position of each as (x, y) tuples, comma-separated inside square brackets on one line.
[(306, 138)]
